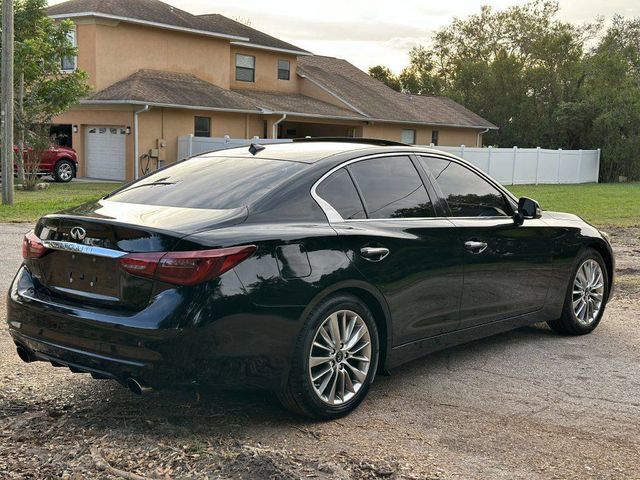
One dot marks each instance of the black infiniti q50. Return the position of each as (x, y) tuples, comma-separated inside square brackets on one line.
[(301, 267)]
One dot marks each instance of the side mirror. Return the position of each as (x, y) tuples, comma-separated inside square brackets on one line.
[(527, 209)]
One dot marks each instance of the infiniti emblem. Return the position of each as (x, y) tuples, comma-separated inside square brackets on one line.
[(78, 233)]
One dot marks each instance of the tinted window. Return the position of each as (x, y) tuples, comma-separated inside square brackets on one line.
[(391, 188), (215, 183), (467, 194), (339, 191)]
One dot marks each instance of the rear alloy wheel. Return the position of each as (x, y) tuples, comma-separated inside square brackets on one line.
[(586, 296), (64, 171), (340, 357), (335, 360)]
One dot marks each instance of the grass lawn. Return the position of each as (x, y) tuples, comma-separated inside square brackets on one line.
[(601, 204), (29, 206), (606, 204)]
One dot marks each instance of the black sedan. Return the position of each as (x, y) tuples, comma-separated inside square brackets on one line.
[(303, 267)]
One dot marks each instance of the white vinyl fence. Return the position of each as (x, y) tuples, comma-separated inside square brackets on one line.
[(188, 145), (509, 166), (515, 165)]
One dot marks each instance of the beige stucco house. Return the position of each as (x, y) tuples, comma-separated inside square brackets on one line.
[(158, 73)]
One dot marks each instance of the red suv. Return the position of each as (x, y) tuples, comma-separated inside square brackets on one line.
[(59, 162)]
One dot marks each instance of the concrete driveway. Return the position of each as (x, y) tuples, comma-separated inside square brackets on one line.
[(525, 404)]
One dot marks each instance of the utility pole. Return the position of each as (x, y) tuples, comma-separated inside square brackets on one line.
[(7, 102)]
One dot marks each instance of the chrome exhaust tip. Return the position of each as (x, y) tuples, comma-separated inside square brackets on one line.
[(138, 387), (25, 355)]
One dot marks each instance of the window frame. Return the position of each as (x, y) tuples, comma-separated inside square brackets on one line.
[(334, 217), (73, 36), (443, 205), (195, 131), (288, 69), (252, 70)]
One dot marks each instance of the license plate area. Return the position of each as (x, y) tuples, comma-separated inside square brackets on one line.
[(69, 272)]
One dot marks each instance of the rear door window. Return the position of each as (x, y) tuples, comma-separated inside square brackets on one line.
[(467, 194), (338, 190), (210, 183), (392, 188)]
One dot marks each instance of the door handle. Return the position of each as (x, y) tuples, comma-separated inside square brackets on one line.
[(374, 254), (475, 247)]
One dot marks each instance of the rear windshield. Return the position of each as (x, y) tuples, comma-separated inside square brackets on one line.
[(211, 183)]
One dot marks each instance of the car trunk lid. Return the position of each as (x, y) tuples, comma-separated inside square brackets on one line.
[(84, 246)]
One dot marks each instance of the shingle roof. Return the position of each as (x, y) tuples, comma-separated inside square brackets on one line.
[(153, 11), (165, 88), (159, 12), (220, 23), (377, 101), (297, 103), (179, 89)]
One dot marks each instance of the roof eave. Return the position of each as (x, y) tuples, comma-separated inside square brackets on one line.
[(271, 49), (167, 105), (148, 24), (265, 111)]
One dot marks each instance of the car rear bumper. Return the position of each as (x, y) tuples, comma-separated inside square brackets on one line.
[(147, 346)]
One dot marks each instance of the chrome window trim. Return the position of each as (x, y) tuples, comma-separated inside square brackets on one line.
[(84, 249), (334, 217)]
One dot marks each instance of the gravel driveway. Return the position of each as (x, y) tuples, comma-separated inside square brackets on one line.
[(525, 404)]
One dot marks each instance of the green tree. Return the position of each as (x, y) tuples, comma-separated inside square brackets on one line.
[(43, 90), (386, 76), (611, 94), (512, 66), (544, 82)]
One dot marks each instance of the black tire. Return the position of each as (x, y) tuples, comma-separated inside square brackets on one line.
[(64, 171), (568, 323), (298, 395)]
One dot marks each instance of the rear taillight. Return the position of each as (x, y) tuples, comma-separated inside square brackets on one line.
[(185, 268), (32, 246)]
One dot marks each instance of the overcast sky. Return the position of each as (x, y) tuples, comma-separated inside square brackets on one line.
[(371, 32)]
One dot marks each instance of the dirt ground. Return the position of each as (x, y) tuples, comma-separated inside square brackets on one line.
[(525, 404)]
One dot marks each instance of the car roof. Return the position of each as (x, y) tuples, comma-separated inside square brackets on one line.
[(302, 152)]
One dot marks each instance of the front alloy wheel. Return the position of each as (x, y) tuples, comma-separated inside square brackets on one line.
[(334, 361), (588, 292), (586, 296)]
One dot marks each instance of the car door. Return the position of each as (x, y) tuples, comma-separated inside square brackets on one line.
[(507, 267), (382, 210)]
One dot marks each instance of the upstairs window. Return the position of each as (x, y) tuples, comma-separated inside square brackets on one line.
[(202, 127), (284, 70), (69, 64), (245, 68), (434, 137)]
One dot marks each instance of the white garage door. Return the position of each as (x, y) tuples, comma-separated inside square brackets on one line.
[(105, 150)]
